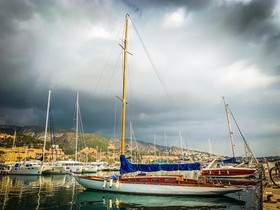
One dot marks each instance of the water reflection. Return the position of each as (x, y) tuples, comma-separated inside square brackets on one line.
[(36, 192), (116, 201)]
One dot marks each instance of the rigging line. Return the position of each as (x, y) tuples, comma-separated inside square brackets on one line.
[(152, 63), (51, 127), (246, 143), (74, 123), (115, 118), (130, 102), (82, 129), (107, 61), (112, 75), (130, 72)]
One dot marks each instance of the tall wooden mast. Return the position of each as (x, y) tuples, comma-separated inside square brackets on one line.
[(124, 85)]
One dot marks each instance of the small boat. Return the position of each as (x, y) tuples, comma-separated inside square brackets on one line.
[(230, 168), (217, 169), (26, 168), (128, 182)]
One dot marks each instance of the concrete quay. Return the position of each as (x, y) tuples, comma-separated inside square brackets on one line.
[(270, 194)]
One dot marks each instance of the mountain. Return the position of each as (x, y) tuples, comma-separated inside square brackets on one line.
[(66, 140)]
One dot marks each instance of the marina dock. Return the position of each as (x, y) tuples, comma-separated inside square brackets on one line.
[(270, 195)]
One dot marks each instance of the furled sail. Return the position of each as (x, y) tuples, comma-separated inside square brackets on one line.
[(127, 167), (230, 160)]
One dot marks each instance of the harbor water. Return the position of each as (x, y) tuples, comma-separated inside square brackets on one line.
[(62, 192)]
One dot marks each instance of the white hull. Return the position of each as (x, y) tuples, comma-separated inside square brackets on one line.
[(152, 189), (89, 169), (64, 170), (64, 167), (25, 171), (26, 168), (52, 170)]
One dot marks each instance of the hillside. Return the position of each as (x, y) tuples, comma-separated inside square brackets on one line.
[(33, 136), (64, 138)]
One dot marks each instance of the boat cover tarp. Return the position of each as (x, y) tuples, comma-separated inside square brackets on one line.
[(127, 167), (230, 160)]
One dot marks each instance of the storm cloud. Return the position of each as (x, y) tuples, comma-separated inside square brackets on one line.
[(201, 50)]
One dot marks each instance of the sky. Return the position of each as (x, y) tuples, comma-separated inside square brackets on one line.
[(184, 56)]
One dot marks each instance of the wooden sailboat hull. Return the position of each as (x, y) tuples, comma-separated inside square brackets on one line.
[(125, 186)]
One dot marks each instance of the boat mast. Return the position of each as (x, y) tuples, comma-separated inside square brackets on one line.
[(46, 127), (210, 148), (229, 127), (124, 85), (14, 141), (77, 126), (181, 144)]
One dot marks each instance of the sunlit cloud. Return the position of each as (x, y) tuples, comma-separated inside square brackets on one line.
[(175, 19), (242, 76)]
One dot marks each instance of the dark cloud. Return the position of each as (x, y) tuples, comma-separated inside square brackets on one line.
[(139, 6), (11, 13), (254, 24), (248, 18), (217, 48)]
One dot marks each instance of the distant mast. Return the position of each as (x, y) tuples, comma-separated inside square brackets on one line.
[(77, 126), (210, 148), (14, 139), (46, 127), (124, 84), (229, 127)]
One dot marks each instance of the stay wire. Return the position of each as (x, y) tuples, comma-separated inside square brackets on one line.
[(152, 63), (246, 143), (107, 61)]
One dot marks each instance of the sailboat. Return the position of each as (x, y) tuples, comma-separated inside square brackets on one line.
[(79, 166), (149, 184), (67, 166), (25, 167), (229, 168), (32, 167)]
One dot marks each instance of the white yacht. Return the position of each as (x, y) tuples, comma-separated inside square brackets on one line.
[(26, 168), (64, 166)]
